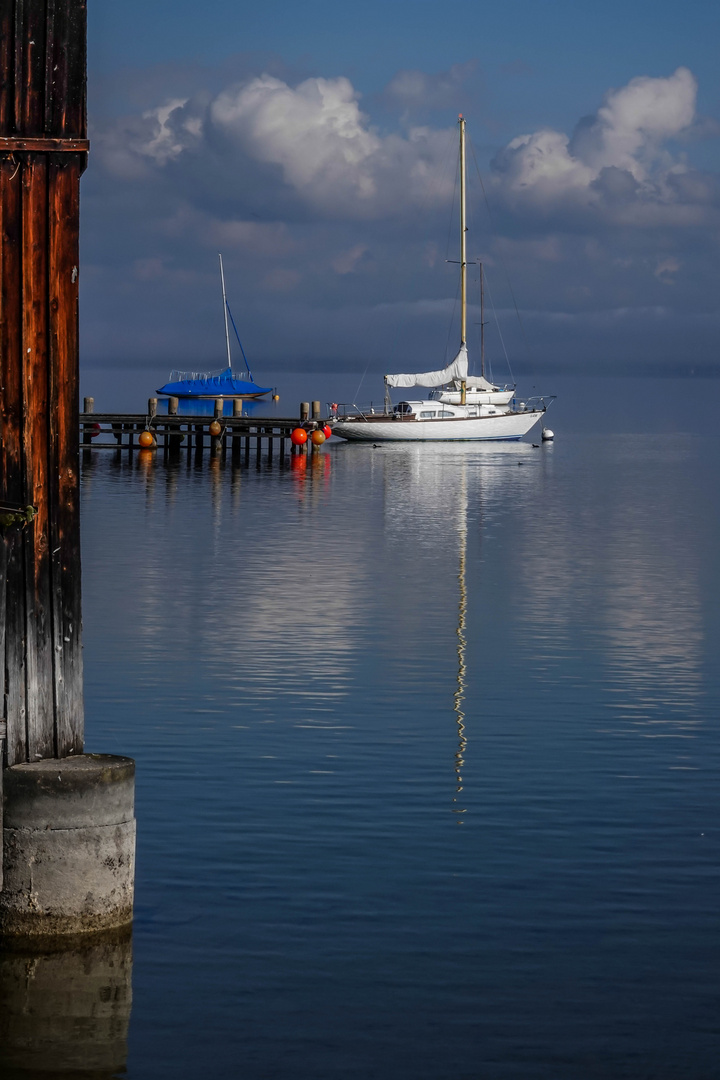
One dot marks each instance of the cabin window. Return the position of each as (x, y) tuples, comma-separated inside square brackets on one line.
[(429, 415), (446, 412), (403, 407)]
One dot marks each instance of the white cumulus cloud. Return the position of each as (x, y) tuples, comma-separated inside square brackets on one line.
[(315, 132), (628, 133)]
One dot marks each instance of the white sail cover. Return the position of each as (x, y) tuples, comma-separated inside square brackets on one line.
[(477, 382), (456, 370)]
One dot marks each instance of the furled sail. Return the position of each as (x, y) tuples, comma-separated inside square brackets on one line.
[(456, 370), (477, 382)]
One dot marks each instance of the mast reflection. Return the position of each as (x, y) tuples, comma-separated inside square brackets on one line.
[(459, 694)]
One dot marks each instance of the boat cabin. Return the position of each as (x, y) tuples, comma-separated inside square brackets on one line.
[(438, 410)]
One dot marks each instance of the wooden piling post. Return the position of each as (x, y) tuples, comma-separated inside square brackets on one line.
[(316, 410), (304, 411), (88, 407), (43, 153), (173, 403), (219, 405), (235, 442)]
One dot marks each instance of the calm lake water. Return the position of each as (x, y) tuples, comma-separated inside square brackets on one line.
[(427, 742)]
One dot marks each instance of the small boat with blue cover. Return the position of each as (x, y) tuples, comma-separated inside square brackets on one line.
[(220, 384), (224, 384)]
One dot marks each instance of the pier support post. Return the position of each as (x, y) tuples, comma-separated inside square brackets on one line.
[(69, 846), (62, 872)]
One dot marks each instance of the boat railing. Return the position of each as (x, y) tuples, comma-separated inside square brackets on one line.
[(206, 376), (533, 404), (346, 410)]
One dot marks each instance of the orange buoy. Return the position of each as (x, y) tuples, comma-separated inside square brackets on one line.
[(215, 428), (318, 437), (276, 397), (146, 439), (328, 431), (298, 437)]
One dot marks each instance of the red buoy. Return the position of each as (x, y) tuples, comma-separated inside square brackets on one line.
[(328, 431), (298, 437), (94, 430)]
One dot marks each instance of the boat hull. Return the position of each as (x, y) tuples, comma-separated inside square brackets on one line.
[(214, 386), (502, 427), (209, 397)]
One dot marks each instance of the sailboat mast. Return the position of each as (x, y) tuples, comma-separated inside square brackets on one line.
[(463, 230), (482, 322), (463, 251), (225, 312)]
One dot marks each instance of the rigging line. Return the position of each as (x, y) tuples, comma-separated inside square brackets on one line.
[(451, 219), (238, 339), (497, 323), (362, 380), (437, 178), (436, 182), (502, 261), (452, 321)]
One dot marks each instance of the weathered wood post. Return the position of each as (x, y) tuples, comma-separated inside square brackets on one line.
[(43, 153)]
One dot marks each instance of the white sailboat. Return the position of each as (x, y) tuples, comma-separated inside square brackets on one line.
[(462, 407)]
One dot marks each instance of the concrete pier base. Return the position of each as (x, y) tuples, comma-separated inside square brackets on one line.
[(68, 846)]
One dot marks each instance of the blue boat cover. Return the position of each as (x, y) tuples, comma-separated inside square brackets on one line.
[(198, 384)]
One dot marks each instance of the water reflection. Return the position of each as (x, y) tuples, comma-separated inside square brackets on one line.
[(615, 578), (66, 1011), (429, 493), (459, 694)]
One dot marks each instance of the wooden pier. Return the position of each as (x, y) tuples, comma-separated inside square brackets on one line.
[(176, 433)]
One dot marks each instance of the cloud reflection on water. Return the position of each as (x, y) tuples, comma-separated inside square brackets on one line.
[(616, 576)]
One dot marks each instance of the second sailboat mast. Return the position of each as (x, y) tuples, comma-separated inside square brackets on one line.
[(225, 313)]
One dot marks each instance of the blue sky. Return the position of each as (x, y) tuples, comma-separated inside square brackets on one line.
[(312, 144)]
